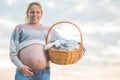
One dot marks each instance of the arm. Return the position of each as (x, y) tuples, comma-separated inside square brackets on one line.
[(14, 49), (54, 35), (14, 45)]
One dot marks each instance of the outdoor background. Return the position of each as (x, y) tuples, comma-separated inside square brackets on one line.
[(99, 21)]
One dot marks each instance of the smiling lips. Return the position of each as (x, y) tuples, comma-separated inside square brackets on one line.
[(34, 18)]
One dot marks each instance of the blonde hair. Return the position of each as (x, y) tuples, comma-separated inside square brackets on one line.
[(29, 6)]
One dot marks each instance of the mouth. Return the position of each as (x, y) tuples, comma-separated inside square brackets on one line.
[(34, 18)]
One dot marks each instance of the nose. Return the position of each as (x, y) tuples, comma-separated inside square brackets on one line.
[(34, 14)]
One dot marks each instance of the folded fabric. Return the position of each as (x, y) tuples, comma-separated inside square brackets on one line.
[(63, 44)]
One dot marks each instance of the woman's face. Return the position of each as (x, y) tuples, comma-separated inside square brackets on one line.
[(34, 14)]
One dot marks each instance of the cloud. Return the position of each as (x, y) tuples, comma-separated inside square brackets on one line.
[(7, 27), (51, 4), (92, 16), (11, 2), (103, 28), (112, 50), (97, 19)]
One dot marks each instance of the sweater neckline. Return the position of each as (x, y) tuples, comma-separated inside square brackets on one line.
[(34, 26)]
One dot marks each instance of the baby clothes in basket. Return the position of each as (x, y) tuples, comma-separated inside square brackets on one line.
[(63, 44)]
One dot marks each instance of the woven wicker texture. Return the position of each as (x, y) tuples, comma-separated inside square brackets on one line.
[(64, 57)]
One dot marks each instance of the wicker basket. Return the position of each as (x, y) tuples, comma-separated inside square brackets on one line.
[(64, 57)]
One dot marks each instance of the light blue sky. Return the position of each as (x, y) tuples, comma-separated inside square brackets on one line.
[(99, 21)]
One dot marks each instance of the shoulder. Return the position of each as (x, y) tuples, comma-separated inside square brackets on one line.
[(48, 27), (45, 27), (19, 26)]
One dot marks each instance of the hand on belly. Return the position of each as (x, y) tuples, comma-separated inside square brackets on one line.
[(34, 57)]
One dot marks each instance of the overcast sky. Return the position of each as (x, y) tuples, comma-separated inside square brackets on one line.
[(99, 21)]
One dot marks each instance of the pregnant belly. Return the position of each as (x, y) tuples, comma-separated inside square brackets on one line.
[(34, 57)]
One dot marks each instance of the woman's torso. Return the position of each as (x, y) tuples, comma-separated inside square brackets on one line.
[(34, 56)]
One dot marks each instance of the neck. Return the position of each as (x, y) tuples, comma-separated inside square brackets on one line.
[(34, 24)]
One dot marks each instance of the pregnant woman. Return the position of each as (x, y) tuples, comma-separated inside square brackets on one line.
[(26, 46)]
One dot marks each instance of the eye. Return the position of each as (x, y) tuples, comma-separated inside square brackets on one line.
[(38, 12), (32, 12)]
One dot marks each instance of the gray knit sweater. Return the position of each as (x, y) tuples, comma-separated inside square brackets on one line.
[(25, 35)]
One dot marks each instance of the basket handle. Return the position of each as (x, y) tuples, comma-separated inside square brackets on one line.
[(64, 22)]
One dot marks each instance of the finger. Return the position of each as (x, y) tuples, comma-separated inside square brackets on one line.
[(26, 71), (23, 71), (29, 72), (28, 68)]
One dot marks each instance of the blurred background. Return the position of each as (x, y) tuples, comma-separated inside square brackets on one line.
[(99, 22)]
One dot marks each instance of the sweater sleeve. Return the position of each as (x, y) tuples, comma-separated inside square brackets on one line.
[(54, 35), (14, 46)]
